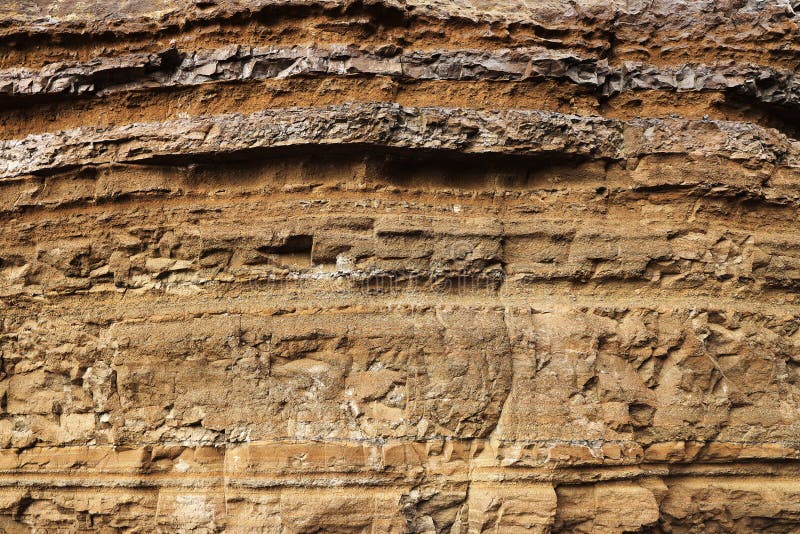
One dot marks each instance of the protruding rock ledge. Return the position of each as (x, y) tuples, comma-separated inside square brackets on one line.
[(512, 132), (175, 68)]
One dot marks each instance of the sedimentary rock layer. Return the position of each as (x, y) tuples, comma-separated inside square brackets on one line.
[(173, 68), (399, 267), (514, 133)]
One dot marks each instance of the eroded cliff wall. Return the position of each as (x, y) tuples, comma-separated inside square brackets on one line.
[(399, 266)]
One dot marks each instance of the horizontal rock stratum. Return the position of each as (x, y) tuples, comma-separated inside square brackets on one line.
[(397, 266)]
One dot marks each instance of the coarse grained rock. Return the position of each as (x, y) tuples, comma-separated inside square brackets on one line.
[(398, 266)]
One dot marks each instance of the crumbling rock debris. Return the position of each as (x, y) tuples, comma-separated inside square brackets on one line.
[(399, 266)]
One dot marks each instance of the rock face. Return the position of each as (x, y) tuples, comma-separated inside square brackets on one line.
[(399, 266)]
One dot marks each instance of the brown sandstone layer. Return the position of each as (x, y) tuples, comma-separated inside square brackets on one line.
[(399, 266)]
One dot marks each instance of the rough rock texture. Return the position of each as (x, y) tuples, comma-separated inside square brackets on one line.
[(399, 266)]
